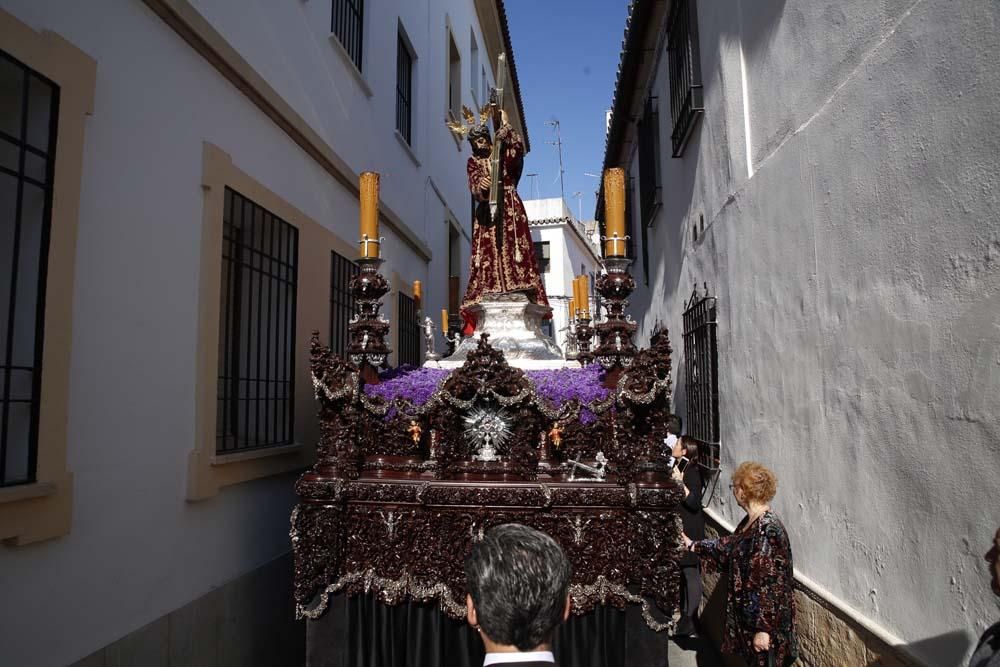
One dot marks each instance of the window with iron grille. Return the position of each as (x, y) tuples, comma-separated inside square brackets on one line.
[(454, 78), (404, 89), (701, 368), (256, 398), (629, 215), (347, 23), (649, 162), (28, 119), (684, 59), (409, 332), (542, 257), (341, 301)]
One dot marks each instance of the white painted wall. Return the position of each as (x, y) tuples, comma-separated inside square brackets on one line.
[(551, 220), (137, 549), (858, 282)]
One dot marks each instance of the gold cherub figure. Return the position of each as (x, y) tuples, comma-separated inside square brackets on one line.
[(415, 432), (555, 435)]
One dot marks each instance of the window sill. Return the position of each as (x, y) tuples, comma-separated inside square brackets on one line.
[(349, 63), (263, 452), (12, 494), (408, 147)]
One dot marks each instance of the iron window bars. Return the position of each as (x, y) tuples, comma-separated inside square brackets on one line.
[(683, 56), (409, 332), (256, 392), (650, 192), (404, 89), (27, 158), (701, 367), (341, 301), (347, 23), (701, 381)]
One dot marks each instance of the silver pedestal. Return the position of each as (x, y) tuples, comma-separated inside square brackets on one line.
[(514, 326)]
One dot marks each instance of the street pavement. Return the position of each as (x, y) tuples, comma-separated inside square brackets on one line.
[(692, 652)]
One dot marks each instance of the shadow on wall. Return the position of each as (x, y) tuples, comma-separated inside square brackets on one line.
[(947, 650)]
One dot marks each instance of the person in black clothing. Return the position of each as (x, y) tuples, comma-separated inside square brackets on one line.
[(518, 580), (686, 449), (987, 653)]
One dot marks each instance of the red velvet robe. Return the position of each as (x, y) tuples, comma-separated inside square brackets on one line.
[(512, 266)]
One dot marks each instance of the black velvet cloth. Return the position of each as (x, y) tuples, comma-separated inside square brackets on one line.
[(359, 631)]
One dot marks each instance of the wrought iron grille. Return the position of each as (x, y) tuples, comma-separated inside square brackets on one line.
[(684, 58), (404, 89), (649, 162), (347, 23), (701, 367), (543, 258), (409, 332), (28, 125), (341, 301), (256, 393)]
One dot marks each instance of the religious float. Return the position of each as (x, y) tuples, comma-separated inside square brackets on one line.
[(414, 464)]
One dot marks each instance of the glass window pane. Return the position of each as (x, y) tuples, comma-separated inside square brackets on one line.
[(35, 167), (18, 438), (8, 204), (39, 112), (28, 279), (20, 384), (9, 155), (11, 96)]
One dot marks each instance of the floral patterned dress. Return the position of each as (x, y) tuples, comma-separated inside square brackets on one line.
[(503, 260), (761, 598)]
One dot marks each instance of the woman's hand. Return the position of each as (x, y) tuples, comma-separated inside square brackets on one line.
[(761, 642), (503, 117), (687, 541)]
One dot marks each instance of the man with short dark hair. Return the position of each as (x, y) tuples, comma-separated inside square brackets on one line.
[(518, 580)]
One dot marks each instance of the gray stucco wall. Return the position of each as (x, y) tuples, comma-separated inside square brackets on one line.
[(858, 275)]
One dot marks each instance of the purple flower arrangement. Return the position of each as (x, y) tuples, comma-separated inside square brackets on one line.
[(557, 385)]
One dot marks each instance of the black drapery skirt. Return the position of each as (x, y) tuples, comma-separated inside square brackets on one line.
[(359, 631)]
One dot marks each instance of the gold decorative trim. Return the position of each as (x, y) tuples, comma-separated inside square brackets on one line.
[(44, 510)]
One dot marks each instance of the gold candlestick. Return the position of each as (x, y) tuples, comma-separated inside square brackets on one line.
[(370, 241), (614, 212)]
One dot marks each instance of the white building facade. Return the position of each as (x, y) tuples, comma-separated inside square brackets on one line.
[(829, 172), (180, 180), (563, 252)]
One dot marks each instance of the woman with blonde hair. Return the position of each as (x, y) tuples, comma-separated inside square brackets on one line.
[(760, 606)]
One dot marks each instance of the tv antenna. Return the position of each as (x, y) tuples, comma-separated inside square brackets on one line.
[(558, 144), (579, 205), (533, 184)]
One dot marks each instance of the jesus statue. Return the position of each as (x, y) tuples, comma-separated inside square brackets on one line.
[(503, 257)]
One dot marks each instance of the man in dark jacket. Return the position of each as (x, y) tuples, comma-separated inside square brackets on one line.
[(685, 451), (518, 580)]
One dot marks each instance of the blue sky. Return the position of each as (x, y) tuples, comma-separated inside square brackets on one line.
[(566, 52)]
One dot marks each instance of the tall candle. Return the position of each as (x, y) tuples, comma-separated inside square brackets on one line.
[(418, 293), (576, 292), (572, 309), (585, 295), (369, 213), (444, 320), (614, 212)]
